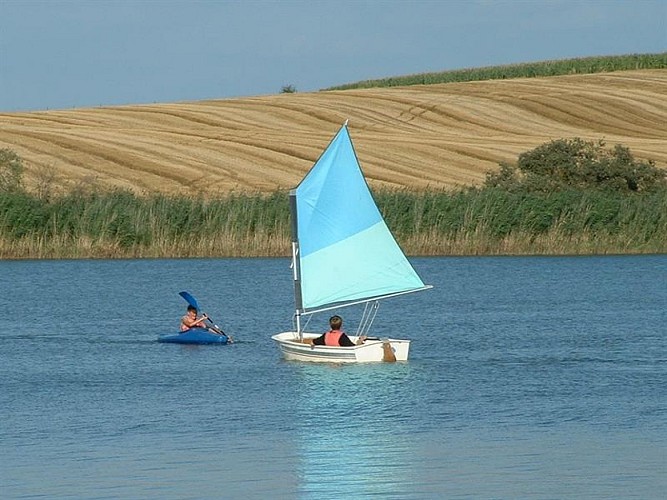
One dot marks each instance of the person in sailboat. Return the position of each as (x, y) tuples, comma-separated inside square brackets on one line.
[(335, 336), (190, 320)]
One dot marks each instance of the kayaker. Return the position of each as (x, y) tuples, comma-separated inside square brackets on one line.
[(190, 320)]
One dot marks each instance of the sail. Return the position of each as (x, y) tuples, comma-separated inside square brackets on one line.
[(346, 251)]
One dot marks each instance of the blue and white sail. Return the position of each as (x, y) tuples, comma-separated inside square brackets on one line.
[(343, 249)]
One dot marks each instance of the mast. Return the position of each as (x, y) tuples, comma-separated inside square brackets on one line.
[(296, 267)]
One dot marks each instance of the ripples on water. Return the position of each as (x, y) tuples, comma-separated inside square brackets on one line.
[(528, 378)]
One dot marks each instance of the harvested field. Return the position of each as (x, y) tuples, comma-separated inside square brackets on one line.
[(435, 136)]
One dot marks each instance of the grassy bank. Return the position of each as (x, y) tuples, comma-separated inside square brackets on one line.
[(469, 222), (583, 65)]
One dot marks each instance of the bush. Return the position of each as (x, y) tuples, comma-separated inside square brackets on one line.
[(575, 163), (11, 171)]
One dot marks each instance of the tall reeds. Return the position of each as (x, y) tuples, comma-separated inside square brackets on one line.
[(120, 224), (466, 222), (499, 222)]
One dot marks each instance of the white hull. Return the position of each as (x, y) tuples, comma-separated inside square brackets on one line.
[(369, 352)]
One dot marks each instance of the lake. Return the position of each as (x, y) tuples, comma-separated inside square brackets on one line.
[(529, 377)]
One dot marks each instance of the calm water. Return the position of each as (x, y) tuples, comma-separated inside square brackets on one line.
[(528, 378)]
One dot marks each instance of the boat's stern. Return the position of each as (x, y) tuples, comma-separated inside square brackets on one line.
[(374, 350)]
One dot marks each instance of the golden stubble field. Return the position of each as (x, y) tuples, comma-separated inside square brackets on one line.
[(419, 136)]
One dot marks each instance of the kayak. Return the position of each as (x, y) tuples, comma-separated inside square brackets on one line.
[(194, 336)]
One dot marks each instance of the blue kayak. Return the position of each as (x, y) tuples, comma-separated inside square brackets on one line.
[(194, 336)]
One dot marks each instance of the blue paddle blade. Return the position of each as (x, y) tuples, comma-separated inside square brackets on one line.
[(189, 299)]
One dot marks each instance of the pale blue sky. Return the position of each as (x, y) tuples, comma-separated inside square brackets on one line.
[(63, 54)]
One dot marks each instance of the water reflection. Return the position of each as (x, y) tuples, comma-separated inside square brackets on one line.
[(354, 436)]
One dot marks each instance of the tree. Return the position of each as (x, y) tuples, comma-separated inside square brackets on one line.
[(288, 89)]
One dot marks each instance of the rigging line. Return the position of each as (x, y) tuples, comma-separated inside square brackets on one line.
[(370, 311), (360, 327), (300, 328), (370, 320), (307, 322)]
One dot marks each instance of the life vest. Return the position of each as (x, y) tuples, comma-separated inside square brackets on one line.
[(332, 337)]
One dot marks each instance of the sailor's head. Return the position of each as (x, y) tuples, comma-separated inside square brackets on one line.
[(335, 322)]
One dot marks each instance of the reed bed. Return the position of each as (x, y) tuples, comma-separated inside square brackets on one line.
[(466, 222), (495, 222), (582, 65)]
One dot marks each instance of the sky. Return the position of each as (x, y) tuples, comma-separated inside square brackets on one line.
[(65, 54)]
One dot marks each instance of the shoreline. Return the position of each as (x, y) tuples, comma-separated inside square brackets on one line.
[(546, 246)]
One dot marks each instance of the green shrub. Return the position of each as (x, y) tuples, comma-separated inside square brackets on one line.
[(11, 171), (575, 163)]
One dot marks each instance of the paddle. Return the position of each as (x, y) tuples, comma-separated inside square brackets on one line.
[(216, 328), (189, 299), (193, 302)]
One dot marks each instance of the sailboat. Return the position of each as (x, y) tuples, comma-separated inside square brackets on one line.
[(343, 254)]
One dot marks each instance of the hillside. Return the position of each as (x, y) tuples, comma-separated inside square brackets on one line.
[(417, 136)]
